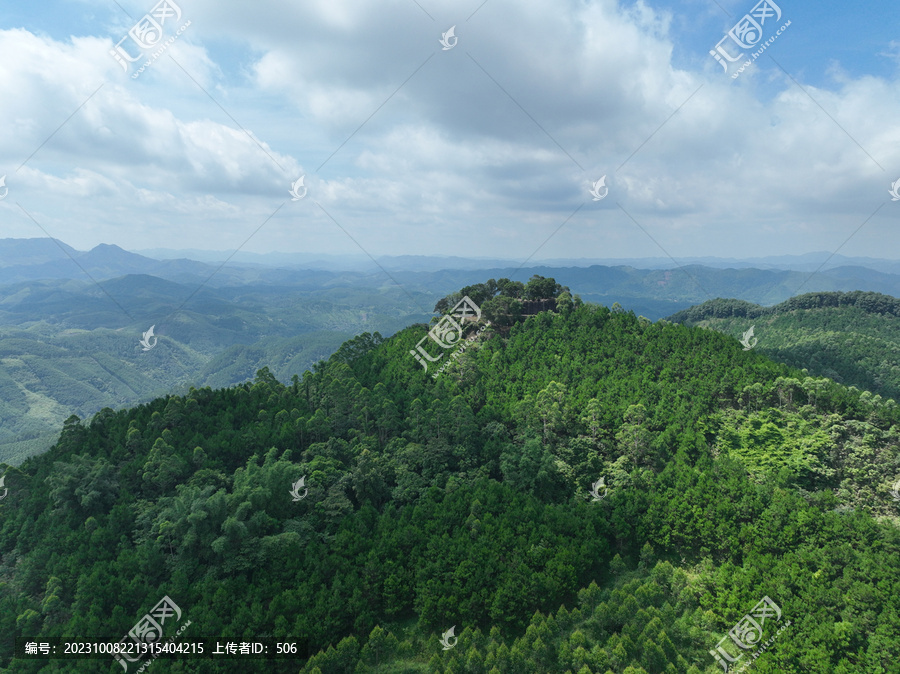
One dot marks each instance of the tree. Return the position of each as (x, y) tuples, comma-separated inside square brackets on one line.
[(347, 654), (29, 623), (589, 597), (532, 469), (52, 607), (633, 437), (380, 646), (173, 413), (592, 417), (73, 433), (134, 442), (85, 485), (502, 311), (164, 468), (444, 304), (552, 409), (371, 479), (336, 506), (512, 289), (564, 303), (539, 288), (319, 426)]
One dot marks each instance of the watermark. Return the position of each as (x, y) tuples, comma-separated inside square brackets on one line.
[(595, 189), (745, 340), (297, 486), (449, 332), (4, 190), (747, 34), (147, 336), (447, 37), (895, 492), (445, 639), (461, 349), (596, 487), (160, 651), (746, 635), (147, 631), (295, 193), (5, 489), (895, 186), (763, 648), (147, 34)]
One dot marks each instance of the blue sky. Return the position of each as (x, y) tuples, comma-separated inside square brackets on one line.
[(487, 149)]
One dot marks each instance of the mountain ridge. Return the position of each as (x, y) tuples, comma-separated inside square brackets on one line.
[(464, 501), (853, 338)]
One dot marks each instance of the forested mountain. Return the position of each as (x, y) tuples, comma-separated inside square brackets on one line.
[(69, 345), (462, 500), (853, 338)]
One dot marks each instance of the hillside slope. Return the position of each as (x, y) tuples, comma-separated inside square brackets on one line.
[(66, 348), (462, 500), (853, 338)]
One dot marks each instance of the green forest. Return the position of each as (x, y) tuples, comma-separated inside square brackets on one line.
[(64, 351), (850, 337), (473, 500)]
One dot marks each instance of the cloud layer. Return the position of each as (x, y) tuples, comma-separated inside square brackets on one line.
[(487, 149)]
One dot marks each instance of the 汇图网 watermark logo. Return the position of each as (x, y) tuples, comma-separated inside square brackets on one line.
[(747, 34), (148, 630), (5, 489), (147, 34), (745, 340), (895, 492), (599, 190), (298, 189), (448, 332), (445, 639), (4, 190), (147, 336), (747, 633), (297, 486), (596, 487), (449, 39), (894, 191)]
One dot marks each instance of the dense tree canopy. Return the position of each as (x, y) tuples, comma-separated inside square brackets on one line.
[(464, 500), (853, 338)]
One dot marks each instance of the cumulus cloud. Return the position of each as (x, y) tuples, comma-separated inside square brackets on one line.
[(485, 149)]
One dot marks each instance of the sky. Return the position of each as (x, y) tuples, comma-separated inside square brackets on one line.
[(536, 129)]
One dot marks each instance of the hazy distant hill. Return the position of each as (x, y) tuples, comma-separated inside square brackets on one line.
[(70, 347), (808, 262), (643, 286), (34, 259), (33, 251), (853, 338)]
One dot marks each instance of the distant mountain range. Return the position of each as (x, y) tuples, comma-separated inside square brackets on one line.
[(806, 262), (17, 254), (646, 286), (70, 320), (39, 259)]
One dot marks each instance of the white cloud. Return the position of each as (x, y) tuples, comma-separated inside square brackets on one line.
[(744, 167)]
